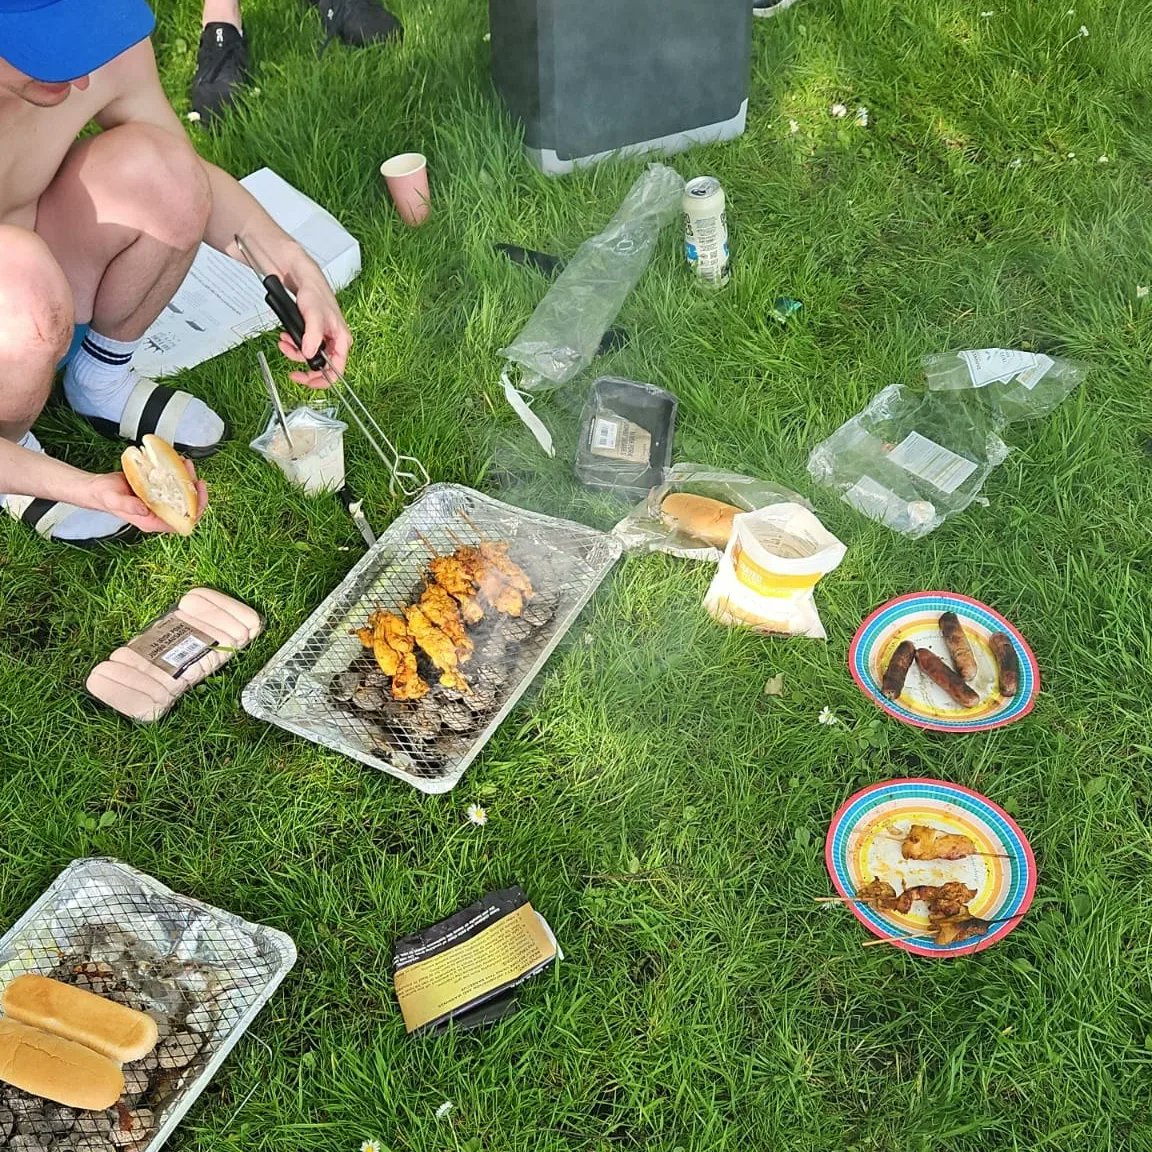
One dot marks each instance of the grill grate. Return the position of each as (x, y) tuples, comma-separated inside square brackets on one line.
[(201, 973), (325, 686)]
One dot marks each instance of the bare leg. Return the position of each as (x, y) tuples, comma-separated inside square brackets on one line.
[(222, 12), (35, 327), (123, 218)]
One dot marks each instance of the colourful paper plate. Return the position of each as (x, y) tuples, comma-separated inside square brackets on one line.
[(863, 844), (916, 617)]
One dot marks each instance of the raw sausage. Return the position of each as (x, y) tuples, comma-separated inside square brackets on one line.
[(958, 647), (943, 677), (1007, 662), (897, 671)]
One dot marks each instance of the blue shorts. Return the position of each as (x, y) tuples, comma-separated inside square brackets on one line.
[(78, 334)]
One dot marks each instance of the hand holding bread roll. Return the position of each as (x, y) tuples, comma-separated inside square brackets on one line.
[(699, 517), (57, 1069), (120, 1033), (160, 478)]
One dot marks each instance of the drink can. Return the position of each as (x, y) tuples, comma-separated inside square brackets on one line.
[(706, 231)]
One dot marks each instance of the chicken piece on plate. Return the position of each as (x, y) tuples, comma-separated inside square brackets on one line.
[(924, 843), (963, 928), (878, 893)]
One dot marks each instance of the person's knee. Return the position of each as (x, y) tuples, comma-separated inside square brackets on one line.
[(35, 303), (164, 178)]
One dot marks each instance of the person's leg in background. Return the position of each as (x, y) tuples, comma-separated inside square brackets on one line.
[(222, 58)]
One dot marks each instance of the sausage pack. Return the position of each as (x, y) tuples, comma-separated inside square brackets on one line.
[(143, 679)]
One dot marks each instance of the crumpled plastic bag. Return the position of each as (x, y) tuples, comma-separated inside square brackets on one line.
[(643, 530), (565, 331), (910, 460), (1014, 385), (767, 578)]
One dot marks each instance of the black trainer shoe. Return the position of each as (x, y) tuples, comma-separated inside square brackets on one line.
[(221, 69), (358, 22)]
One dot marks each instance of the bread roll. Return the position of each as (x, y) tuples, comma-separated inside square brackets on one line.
[(158, 476), (121, 1033), (57, 1069), (699, 517)]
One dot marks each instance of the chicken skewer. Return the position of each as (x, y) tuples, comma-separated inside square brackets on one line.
[(973, 927), (921, 842)]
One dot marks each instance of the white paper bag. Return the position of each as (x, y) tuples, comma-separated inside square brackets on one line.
[(774, 559)]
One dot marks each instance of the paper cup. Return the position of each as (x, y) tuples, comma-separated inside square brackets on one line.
[(406, 177)]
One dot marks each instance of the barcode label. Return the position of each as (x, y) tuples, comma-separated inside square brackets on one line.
[(189, 650), (605, 433), (939, 466)]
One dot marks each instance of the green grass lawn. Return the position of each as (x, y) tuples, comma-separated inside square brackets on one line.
[(663, 812)]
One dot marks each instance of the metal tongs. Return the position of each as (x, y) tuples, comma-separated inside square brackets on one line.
[(406, 473)]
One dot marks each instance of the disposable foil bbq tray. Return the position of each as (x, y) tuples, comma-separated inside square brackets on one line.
[(201, 973), (328, 687)]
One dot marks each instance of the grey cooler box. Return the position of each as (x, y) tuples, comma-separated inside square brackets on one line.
[(590, 78)]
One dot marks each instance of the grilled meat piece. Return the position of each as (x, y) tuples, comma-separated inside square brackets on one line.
[(455, 579), (924, 843), (438, 605), (434, 642), (408, 684)]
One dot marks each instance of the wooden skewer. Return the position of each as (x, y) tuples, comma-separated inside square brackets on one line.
[(925, 934), (995, 855), (428, 544)]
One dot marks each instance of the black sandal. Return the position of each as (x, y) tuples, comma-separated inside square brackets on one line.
[(153, 409), (42, 516)]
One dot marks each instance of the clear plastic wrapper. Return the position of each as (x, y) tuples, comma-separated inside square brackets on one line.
[(645, 530), (908, 460), (1012, 384), (565, 331), (315, 459)]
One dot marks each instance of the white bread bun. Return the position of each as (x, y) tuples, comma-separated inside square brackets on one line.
[(158, 476), (57, 1069), (120, 1033), (699, 517)]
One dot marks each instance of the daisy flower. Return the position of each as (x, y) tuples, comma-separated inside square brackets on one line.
[(1015, 163), (370, 1146), (862, 117), (444, 1109), (1102, 160), (1083, 30), (827, 717), (839, 111), (793, 127), (193, 117), (477, 814)]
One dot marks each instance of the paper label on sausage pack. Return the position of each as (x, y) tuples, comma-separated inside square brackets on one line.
[(619, 439), (939, 466), (999, 365), (172, 644)]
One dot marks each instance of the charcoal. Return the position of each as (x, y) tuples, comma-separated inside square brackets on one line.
[(95, 1124), (134, 1127), (541, 609), (368, 699), (7, 1123), (517, 629), (59, 1119), (482, 698), (26, 1142), (452, 747), (458, 717), (345, 685), (179, 1050), (135, 1082), (423, 722)]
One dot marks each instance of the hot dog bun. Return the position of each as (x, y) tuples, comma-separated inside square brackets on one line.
[(120, 1033), (699, 517), (158, 476), (57, 1069)]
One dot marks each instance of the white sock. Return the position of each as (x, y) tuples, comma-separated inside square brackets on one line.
[(83, 523), (99, 379)]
